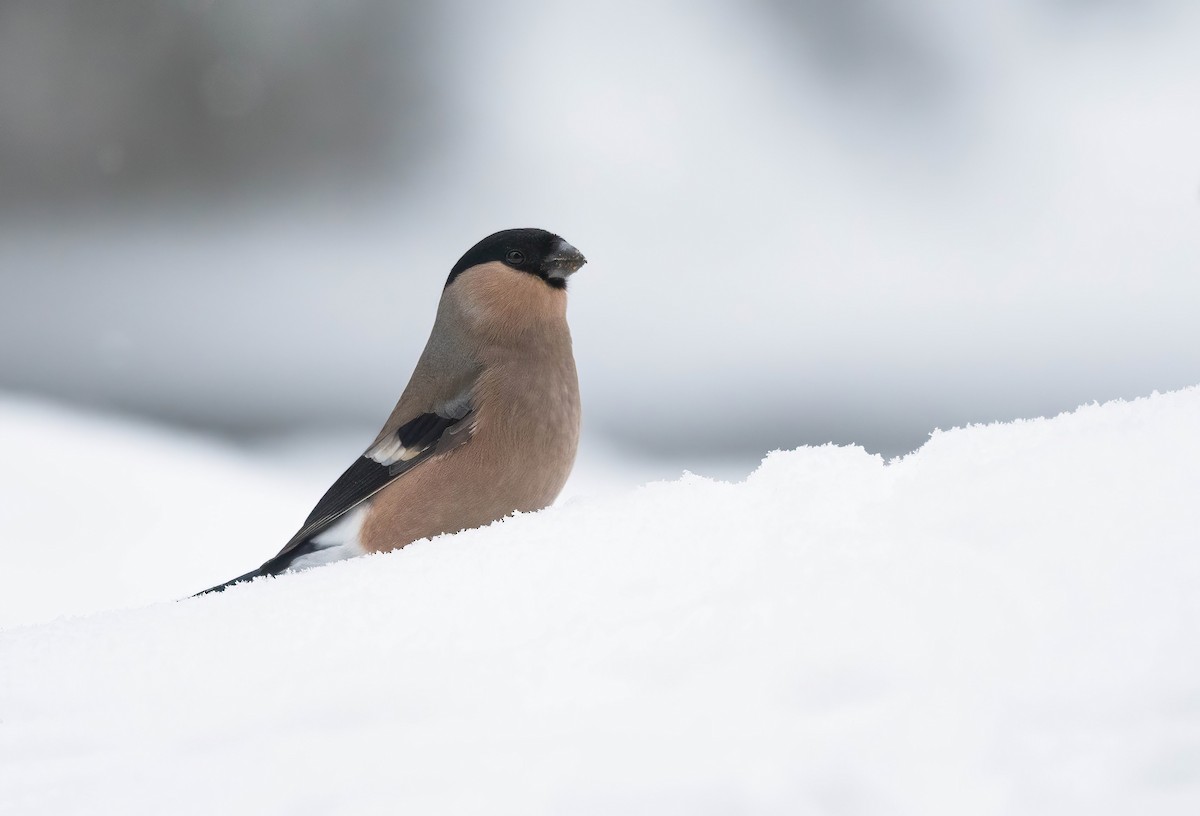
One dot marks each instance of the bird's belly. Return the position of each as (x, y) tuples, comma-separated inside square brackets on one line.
[(515, 462)]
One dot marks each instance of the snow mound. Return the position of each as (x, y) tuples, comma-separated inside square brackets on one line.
[(1004, 622), (97, 512)]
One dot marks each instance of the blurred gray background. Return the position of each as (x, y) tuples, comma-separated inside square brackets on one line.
[(824, 220)]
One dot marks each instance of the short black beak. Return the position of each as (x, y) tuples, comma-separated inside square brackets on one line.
[(564, 261)]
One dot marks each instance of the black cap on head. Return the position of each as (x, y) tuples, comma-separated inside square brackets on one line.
[(540, 253)]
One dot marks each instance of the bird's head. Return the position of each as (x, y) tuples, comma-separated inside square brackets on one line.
[(534, 251)]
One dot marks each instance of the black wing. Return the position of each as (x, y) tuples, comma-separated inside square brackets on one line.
[(386, 460)]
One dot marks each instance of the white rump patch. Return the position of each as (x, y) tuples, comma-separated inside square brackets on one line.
[(338, 542)]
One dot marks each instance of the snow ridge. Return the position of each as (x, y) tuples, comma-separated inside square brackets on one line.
[(1003, 622)]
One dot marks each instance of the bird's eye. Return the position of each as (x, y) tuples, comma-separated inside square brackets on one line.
[(515, 256)]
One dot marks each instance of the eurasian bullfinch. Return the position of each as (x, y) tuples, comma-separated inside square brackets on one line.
[(488, 423)]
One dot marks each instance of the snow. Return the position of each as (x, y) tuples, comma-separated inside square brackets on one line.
[(1003, 622), (178, 512)]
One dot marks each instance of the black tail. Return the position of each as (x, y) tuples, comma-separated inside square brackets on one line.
[(278, 564), (249, 576)]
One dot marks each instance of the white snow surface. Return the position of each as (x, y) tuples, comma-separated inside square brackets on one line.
[(1006, 621)]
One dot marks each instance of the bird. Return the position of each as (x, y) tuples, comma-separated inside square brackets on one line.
[(489, 421)]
